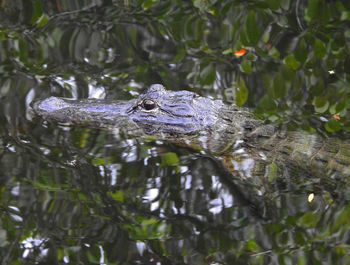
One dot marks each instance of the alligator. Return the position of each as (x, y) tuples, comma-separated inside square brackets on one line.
[(244, 144)]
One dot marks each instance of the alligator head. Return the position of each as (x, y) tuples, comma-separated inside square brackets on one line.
[(157, 112)]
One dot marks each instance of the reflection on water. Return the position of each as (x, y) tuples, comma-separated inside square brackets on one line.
[(88, 199), (85, 196)]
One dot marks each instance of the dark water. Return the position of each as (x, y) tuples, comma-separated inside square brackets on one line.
[(73, 195)]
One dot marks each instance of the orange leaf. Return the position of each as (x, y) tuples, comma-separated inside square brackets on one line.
[(336, 116), (241, 52)]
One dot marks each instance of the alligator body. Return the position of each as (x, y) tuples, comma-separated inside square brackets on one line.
[(244, 144)]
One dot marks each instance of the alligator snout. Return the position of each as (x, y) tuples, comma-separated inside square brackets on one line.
[(49, 105)]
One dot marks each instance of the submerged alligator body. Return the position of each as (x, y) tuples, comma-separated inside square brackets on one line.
[(244, 144)]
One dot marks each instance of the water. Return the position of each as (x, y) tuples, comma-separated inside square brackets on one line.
[(76, 195)]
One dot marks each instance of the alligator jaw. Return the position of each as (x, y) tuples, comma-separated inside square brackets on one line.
[(90, 112)]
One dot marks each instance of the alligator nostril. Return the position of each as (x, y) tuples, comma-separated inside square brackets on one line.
[(48, 105)]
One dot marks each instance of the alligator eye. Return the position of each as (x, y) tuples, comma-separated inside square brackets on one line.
[(148, 104)]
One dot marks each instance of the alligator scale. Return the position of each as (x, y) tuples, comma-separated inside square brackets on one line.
[(244, 144)]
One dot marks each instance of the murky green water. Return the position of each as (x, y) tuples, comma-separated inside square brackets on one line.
[(73, 195)]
